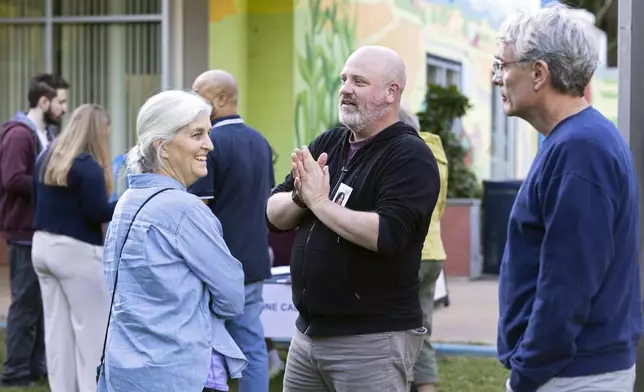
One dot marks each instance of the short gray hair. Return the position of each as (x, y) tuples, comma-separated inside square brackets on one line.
[(160, 118), (555, 35), (396, 74), (409, 118)]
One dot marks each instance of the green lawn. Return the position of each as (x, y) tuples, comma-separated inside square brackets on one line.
[(458, 374)]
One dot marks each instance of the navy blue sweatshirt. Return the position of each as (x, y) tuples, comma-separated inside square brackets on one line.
[(569, 289), (77, 210), (239, 180)]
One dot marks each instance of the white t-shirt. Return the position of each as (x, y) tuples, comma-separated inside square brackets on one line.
[(42, 136)]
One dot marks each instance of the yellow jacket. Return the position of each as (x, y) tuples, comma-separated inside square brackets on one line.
[(433, 247)]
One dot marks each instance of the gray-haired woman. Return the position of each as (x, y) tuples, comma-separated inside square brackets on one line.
[(172, 277)]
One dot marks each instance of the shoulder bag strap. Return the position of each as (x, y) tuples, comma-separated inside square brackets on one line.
[(116, 279)]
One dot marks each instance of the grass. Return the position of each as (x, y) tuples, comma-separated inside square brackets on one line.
[(458, 374)]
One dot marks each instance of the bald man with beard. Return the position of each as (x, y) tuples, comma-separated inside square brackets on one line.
[(354, 267), (240, 179)]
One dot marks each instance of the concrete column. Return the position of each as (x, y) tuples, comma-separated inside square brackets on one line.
[(196, 41), (116, 82), (631, 115), (116, 88), (165, 44)]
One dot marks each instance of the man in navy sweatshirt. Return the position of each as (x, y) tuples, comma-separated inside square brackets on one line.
[(21, 140), (570, 312), (240, 178)]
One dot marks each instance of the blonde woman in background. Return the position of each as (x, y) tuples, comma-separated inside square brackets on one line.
[(72, 182), (431, 265)]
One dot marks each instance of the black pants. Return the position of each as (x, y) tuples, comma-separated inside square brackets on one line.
[(25, 324), (210, 390)]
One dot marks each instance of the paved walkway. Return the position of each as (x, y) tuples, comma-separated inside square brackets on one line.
[(470, 318), (472, 314)]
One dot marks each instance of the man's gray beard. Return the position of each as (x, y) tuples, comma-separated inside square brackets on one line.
[(359, 120), (353, 121)]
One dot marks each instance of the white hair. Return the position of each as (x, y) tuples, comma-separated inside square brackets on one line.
[(409, 118), (560, 38), (160, 118)]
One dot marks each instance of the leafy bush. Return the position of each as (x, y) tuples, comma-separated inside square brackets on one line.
[(443, 106)]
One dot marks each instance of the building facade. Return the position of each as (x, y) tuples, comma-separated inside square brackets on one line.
[(113, 52), (288, 56), (285, 54)]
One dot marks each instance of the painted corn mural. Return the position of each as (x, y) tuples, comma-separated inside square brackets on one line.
[(288, 54), (329, 36)]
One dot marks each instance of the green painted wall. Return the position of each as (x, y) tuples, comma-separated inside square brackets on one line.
[(270, 77), (228, 51), (253, 40)]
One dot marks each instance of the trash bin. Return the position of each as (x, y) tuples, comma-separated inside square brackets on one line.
[(498, 198)]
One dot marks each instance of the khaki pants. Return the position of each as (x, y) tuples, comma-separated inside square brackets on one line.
[(379, 362), (425, 370), (75, 303)]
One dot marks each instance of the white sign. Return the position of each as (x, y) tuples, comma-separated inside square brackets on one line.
[(279, 313)]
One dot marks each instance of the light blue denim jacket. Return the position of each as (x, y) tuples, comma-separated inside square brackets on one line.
[(177, 284)]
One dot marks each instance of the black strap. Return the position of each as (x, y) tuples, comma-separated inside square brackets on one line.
[(116, 279)]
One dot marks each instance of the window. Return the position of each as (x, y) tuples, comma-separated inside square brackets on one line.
[(109, 51), (445, 73), (22, 55), (503, 135), (117, 65)]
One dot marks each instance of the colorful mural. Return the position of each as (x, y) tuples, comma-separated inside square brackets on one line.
[(287, 56), (329, 37), (458, 31)]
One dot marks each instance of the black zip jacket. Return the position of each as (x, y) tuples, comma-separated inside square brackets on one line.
[(341, 288)]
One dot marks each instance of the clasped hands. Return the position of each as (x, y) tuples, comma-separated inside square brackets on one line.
[(312, 180)]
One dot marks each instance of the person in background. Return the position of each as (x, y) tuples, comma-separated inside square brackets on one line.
[(570, 306), (239, 180), (177, 281), (21, 140), (431, 265), (72, 182)]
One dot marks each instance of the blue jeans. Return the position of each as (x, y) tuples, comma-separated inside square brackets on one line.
[(248, 333)]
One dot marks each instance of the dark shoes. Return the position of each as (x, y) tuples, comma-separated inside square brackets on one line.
[(25, 383)]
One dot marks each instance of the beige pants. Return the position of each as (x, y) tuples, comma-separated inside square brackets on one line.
[(379, 362), (75, 304)]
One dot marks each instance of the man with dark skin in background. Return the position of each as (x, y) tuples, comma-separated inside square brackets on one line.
[(239, 181)]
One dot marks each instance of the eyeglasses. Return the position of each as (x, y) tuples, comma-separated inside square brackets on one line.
[(501, 66)]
